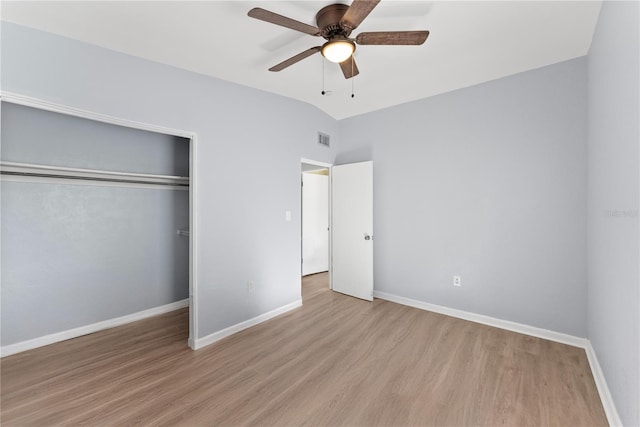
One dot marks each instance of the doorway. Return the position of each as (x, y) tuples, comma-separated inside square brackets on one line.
[(347, 201), (315, 218)]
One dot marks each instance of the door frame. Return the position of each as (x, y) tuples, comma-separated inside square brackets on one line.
[(328, 166), (41, 104)]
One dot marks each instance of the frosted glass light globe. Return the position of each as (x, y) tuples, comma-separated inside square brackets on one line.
[(338, 50)]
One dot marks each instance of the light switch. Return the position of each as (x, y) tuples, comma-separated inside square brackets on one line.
[(287, 216)]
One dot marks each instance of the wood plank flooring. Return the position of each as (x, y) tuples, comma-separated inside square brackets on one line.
[(335, 361)]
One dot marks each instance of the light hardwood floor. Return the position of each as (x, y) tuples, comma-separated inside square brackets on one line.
[(335, 361)]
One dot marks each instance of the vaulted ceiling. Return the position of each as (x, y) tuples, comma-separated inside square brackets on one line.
[(470, 42)]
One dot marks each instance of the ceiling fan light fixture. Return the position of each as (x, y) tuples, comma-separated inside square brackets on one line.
[(338, 49), (335, 22)]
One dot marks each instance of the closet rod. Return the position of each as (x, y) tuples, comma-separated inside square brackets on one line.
[(84, 178), (60, 172)]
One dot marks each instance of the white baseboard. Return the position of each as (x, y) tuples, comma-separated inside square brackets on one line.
[(217, 336), (486, 320), (10, 349), (601, 384), (603, 388)]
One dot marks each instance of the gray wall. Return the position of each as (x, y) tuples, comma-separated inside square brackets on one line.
[(248, 167), (30, 135), (488, 183), (75, 254), (614, 183)]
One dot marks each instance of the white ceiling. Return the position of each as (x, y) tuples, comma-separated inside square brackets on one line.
[(470, 43)]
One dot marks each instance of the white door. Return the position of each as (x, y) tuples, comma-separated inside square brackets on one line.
[(315, 223), (352, 229)]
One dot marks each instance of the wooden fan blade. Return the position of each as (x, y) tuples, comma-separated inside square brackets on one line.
[(274, 18), (393, 38), (356, 13), (297, 58), (349, 68)]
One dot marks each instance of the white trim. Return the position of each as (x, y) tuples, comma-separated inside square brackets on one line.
[(603, 388), (486, 320), (315, 163), (193, 242), (28, 101), (601, 384), (10, 349), (217, 336)]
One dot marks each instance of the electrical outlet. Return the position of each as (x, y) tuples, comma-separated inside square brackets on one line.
[(250, 286), (457, 281)]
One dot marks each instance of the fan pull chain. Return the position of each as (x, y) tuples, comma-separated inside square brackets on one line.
[(323, 91), (352, 78)]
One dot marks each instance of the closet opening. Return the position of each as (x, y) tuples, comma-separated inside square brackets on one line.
[(98, 223)]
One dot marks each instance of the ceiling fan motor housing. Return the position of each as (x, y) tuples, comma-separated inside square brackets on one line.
[(328, 20)]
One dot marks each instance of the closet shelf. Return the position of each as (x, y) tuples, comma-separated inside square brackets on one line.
[(46, 171)]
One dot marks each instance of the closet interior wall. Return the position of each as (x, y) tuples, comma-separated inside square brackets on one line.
[(77, 251)]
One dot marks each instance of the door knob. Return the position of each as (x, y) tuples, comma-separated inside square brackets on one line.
[(367, 237)]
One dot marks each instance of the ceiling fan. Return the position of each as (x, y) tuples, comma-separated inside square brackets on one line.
[(335, 24)]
